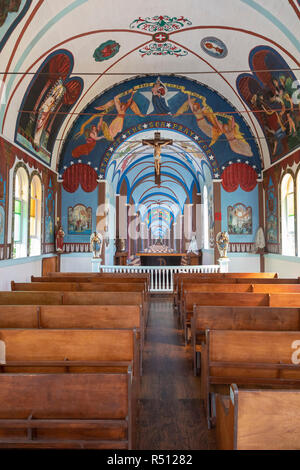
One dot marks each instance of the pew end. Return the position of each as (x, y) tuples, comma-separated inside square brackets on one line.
[(245, 420)]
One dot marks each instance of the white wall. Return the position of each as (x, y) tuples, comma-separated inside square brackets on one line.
[(76, 263), (19, 270), (244, 263), (285, 266)]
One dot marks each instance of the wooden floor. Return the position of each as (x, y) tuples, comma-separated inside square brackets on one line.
[(171, 413)]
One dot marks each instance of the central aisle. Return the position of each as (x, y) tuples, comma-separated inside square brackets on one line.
[(171, 412)]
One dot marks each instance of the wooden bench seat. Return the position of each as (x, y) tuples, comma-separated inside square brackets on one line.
[(67, 411), (247, 358), (71, 317), (247, 420), (239, 318)]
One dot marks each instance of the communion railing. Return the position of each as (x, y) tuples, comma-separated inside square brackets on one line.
[(161, 278)]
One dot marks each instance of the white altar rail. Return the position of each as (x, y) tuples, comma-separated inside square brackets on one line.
[(161, 278)]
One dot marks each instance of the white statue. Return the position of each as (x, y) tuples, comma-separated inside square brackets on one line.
[(193, 246), (222, 242), (260, 241), (96, 241)]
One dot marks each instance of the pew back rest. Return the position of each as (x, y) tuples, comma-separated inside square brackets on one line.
[(246, 318), (74, 345), (103, 298), (69, 396), (259, 427), (273, 347), (280, 288), (290, 299), (30, 298), (70, 316), (224, 298), (210, 287), (77, 286)]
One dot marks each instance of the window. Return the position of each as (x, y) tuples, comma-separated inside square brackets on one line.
[(20, 208), (35, 216), (288, 215), (205, 219)]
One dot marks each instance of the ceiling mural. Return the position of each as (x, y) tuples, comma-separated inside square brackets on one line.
[(271, 91), (160, 102), (48, 99), (11, 13)]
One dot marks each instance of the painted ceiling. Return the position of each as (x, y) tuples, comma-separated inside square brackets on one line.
[(84, 81)]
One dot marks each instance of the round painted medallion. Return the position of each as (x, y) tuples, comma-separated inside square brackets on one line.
[(214, 47)]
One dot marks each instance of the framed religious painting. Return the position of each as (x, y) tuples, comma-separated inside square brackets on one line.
[(239, 219), (79, 220)]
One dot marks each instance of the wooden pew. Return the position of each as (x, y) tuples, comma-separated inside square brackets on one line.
[(223, 298), (189, 280), (239, 318), (89, 278), (210, 287), (247, 358), (128, 276), (114, 288), (69, 350), (258, 419), (69, 316), (67, 411), (257, 288)]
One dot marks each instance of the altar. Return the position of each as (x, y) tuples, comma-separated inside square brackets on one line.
[(161, 259)]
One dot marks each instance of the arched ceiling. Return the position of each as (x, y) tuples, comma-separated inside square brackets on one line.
[(95, 47)]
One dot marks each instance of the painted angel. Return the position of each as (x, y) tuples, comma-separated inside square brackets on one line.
[(109, 131), (209, 123)]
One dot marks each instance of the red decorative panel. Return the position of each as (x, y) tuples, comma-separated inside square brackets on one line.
[(239, 174), (80, 174)]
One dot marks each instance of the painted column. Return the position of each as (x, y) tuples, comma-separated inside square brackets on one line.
[(101, 217), (261, 219), (217, 216)]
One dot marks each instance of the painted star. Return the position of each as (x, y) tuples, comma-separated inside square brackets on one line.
[(145, 126), (211, 157), (217, 175), (168, 125), (196, 137), (124, 136), (110, 149)]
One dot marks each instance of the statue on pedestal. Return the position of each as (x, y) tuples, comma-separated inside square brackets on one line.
[(59, 239), (222, 242), (96, 241)]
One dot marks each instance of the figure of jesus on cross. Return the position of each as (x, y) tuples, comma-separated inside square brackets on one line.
[(157, 143)]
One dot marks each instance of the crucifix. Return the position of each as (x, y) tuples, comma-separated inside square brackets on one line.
[(158, 142)]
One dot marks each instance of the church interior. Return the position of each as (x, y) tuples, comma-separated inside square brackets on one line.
[(149, 160)]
